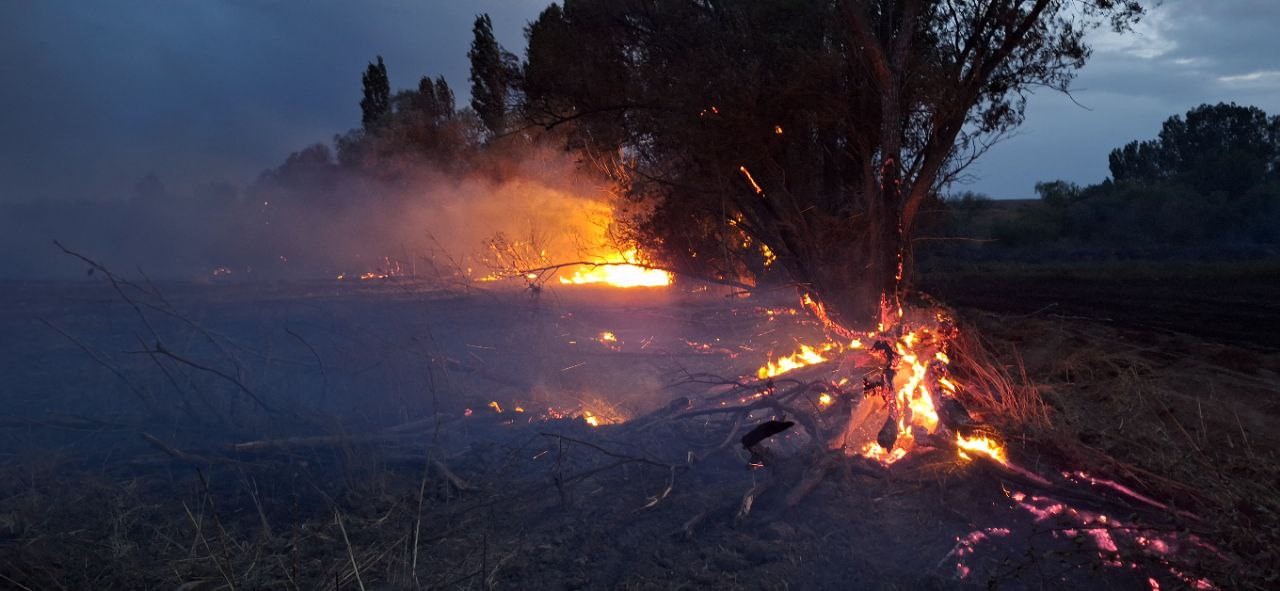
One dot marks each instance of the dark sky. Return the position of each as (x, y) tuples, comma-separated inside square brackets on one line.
[(93, 99)]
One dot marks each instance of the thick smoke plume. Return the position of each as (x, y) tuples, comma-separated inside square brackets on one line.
[(313, 218)]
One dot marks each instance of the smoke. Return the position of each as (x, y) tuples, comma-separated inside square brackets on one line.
[(314, 218)]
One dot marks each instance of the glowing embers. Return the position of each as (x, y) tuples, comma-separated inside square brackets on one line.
[(609, 340), (594, 416), (1057, 527), (750, 179), (619, 270), (388, 268)]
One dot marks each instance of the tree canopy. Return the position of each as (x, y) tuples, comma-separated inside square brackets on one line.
[(377, 95), (814, 129), (1222, 147), (493, 72)]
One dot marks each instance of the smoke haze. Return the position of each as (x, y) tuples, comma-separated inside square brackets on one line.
[(311, 218)]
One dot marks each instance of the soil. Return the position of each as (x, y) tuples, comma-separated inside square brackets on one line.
[(1241, 311), (467, 497)]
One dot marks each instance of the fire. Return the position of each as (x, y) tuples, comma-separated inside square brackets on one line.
[(980, 445), (874, 451), (751, 179), (620, 270), (825, 400), (609, 340), (915, 392), (805, 357)]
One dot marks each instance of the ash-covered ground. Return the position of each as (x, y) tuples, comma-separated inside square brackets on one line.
[(383, 435)]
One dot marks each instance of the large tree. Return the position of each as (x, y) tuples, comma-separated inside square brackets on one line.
[(815, 129), (1222, 147), (493, 73), (376, 102)]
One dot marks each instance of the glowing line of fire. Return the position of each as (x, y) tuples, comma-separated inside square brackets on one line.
[(751, 180), (804, 357)]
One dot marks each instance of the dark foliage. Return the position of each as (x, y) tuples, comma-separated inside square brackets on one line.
[(493, 74), (1207, 187), (819, 130), (376, 103)]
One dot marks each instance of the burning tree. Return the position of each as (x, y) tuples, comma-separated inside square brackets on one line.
[(802, 138)]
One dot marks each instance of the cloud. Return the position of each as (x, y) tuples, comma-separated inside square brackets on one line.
[(1151, 38), (1184, 53), (1259, 78)]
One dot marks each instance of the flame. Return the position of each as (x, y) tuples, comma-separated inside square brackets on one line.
[(495, 406), (805, 357), (980, 445), (915, 391), (620, 270), (767, 253), (825, 400), (874, 451)]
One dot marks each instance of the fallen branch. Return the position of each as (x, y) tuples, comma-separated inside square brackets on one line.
[(183, 456)]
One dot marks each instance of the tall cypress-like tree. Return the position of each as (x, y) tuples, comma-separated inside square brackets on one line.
[(376, 104), (492, 73)]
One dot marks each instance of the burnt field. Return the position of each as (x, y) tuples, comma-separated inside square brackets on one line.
[(419, 439), (1236, 304)]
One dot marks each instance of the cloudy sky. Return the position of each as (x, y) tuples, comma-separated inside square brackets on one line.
[(204, 90)]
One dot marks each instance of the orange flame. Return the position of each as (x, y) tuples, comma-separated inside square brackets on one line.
[(751, 180), (980, 445), (805, 357), (619, 270)]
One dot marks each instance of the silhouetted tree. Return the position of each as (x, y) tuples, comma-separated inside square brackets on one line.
[(1222, 147), (818, 129), (376, 103), (493, 72)]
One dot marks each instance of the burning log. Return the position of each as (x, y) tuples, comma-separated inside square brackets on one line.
[(954, 415), (888, 433)]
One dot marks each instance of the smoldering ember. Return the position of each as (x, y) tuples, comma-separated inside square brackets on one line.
[(684, 294)]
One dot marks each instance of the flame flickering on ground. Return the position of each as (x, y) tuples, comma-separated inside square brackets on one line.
[(915, 360), (804, 357), (980, 445), (619, 270)]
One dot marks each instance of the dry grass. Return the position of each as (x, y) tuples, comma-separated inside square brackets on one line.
[(997, 387), (1184, 421)]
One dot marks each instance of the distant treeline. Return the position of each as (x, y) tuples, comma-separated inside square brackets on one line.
[(1208, 186), (377, 191)]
